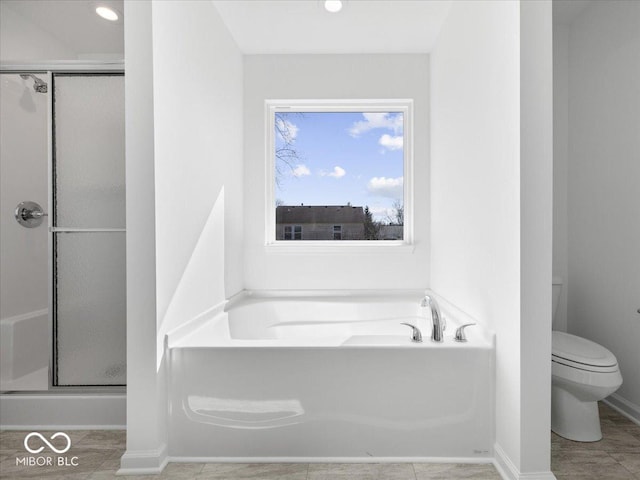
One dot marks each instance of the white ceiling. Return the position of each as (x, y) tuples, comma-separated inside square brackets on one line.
[(74, 23), (363, 26), (275, 26)]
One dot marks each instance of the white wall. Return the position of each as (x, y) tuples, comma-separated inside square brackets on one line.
[(333, 77), (23, 176), (24, 277), (24, 272), (475, 181), (536, 220), (23, 41), (145, 413), (184, 162), (197, 84), (603, 192), (489, 177), (560, 166)]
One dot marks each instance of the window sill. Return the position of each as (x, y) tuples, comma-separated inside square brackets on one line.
[(348, 247)]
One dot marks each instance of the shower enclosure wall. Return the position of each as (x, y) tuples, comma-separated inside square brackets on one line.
[(62, 295)]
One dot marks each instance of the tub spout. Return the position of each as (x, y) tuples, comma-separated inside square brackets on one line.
[(436, 318)]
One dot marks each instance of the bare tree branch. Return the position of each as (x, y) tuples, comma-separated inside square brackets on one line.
[(287, 155)]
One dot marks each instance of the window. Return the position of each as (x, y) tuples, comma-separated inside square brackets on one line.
[(292, 232), (340, 169)]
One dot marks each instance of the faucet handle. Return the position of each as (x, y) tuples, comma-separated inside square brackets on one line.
[(460, 336), (416, 334)]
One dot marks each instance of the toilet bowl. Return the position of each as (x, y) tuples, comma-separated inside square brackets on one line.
[(582, 373)]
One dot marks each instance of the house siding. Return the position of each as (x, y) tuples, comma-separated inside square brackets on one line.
[(324, 231)]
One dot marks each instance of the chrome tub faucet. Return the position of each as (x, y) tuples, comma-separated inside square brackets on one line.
[(436, 318)]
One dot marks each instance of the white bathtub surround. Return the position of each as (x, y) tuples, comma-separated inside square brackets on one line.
[(329, 376)]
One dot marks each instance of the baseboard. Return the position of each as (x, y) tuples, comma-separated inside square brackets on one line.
[(49, 411), (625, 407), (504, 465), (483, 460), (508, 471), (537, 476), (144, 462)]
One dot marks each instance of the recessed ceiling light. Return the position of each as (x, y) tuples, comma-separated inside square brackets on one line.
[(107, 13), (333, 6)]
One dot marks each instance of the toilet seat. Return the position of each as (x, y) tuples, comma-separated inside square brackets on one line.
[(580, 353)]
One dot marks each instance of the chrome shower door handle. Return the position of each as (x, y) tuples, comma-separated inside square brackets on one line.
[(29, 214)]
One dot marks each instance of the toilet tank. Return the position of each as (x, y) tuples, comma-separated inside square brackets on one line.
[(555, 295)]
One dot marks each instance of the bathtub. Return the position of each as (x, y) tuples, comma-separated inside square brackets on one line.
[(329, 376)]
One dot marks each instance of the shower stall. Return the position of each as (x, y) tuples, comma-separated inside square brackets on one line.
[(62, 231)]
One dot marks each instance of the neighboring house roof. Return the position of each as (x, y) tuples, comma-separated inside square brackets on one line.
[(337, 214)]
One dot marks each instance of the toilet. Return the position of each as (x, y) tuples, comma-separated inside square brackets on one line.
[(582, 373)]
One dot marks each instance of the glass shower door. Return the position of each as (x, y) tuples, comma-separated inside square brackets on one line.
[(88, 230)]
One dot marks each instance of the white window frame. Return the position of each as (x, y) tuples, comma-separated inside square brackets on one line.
[(404, 106)]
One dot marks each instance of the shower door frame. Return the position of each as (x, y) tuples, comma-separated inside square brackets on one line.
[(49, 69)]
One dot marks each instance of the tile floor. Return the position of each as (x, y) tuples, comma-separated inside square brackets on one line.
[(615, 457)]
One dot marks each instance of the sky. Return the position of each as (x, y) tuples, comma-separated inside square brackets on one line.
[(343, 157)]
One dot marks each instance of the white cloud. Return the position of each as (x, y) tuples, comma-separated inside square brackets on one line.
[(392, 143), (373, 120), (287, 131), (338, 172), (381, 213), (301, 171), (386, 187)]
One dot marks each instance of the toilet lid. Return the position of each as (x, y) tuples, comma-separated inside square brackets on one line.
[(581, 351)]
